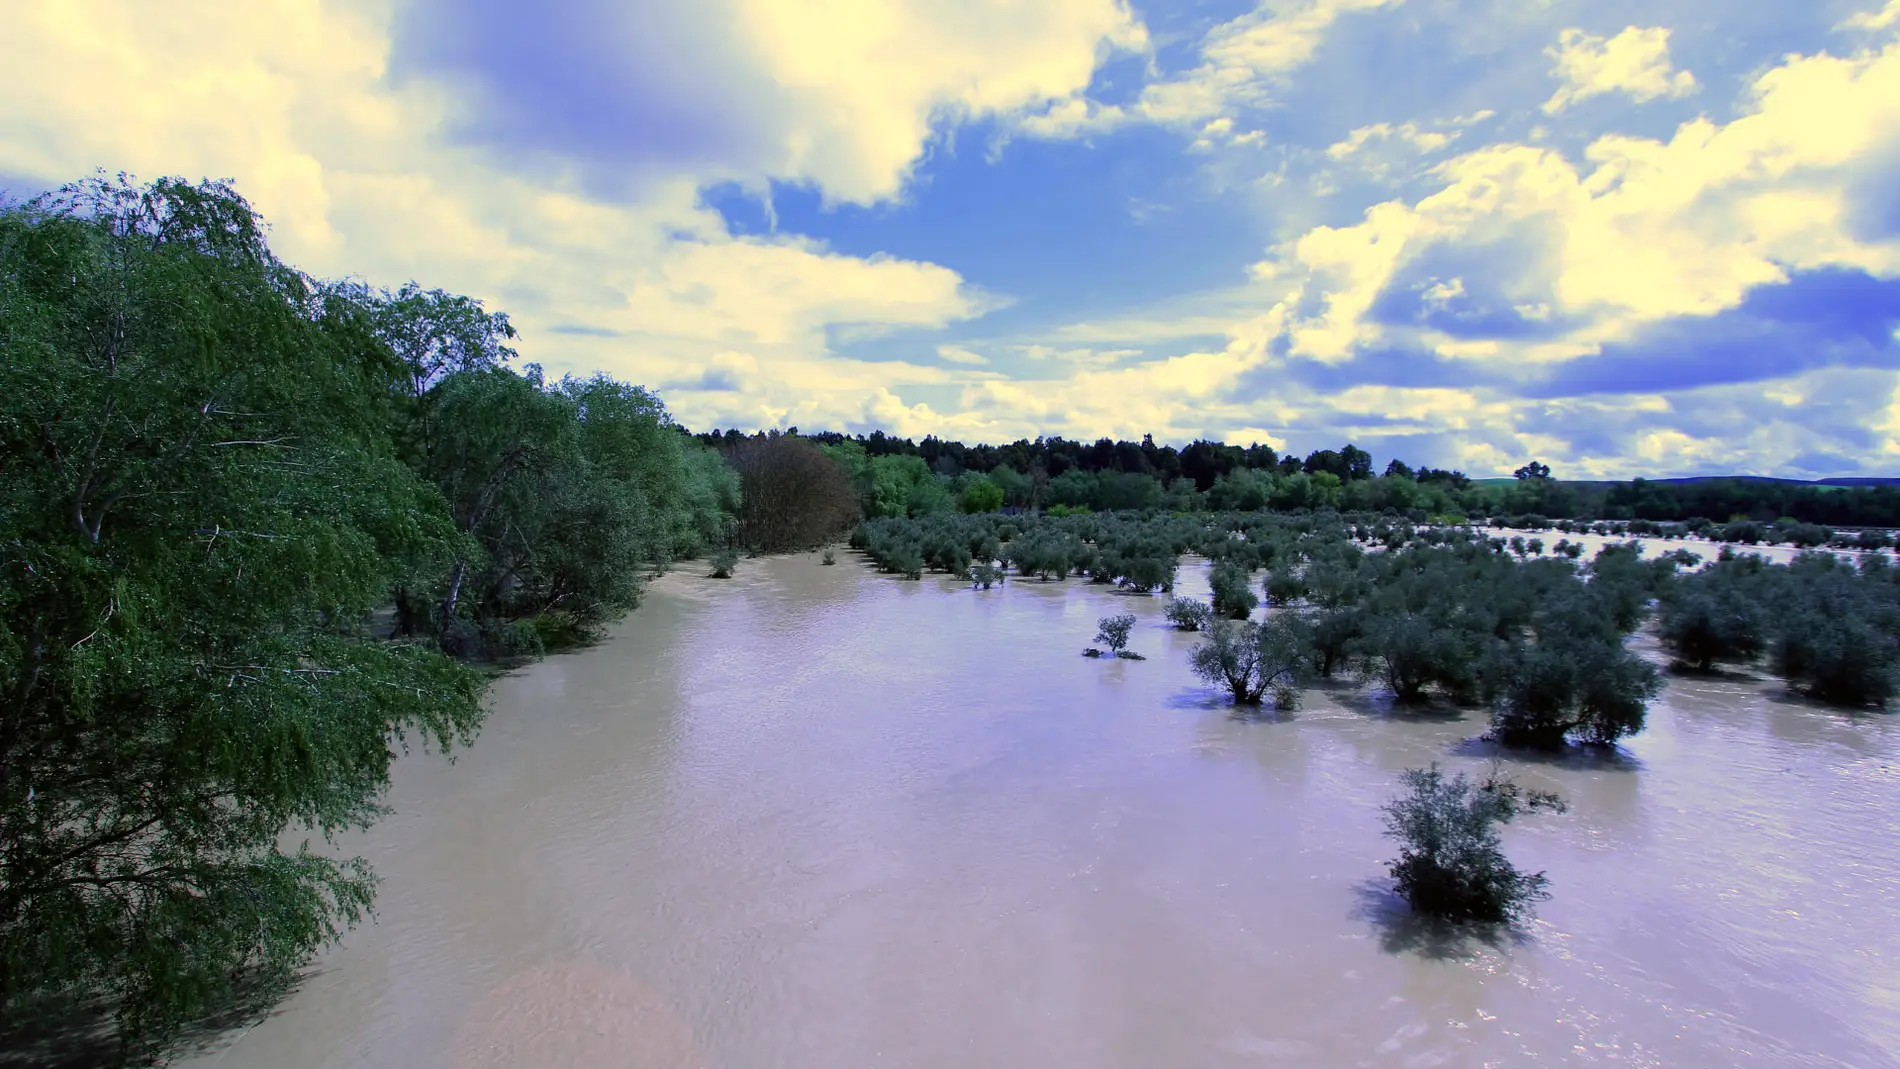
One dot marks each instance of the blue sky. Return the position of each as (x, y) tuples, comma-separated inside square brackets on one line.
[(1655, 238)]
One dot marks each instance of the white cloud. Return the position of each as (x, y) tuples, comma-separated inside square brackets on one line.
[(1423, 140), (1873, 20), (1653, 230), (1077, 357), (293, 99), (870, 77), (956, 354), (1635, 61), (1242, 62)]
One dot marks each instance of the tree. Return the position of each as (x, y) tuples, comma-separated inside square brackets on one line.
[(203, 508), (1451, 863), (1112, 631), (1248, 658), (435, 333), (1594, 690), (1188, 615), (1533, 470), (791, 495), (1838, 633), (1706, 626), (1233, 594), (980, 495)]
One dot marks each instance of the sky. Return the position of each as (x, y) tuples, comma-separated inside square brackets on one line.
[(1626, 238)]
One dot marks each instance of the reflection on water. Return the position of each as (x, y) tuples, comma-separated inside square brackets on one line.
[(822, 817)]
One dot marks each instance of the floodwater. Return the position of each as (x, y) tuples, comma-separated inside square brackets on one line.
[(1701, 547), (820, 817)]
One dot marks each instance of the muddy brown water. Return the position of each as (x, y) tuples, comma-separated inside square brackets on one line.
[(820, 817)]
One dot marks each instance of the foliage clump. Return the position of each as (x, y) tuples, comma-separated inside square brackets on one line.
[(723, 562), (1248, 659), (205, 505), (1112, 631), (792, 496), (984, 575), (1451, 862), (1188, 614), (1234, 598)]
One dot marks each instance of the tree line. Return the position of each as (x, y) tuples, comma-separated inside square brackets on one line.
[(900, 477)]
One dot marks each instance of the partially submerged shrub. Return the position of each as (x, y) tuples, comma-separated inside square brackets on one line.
[(723, 562), (1283, 586), (1188, 614), (829, 558), (984, 575), (1451, 861)]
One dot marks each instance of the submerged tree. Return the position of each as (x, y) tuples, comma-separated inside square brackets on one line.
[(1451, 862), (1188, 614), (1233, 593), (1595, 692), (1705, 627), (1112, 631), (1248, 659)]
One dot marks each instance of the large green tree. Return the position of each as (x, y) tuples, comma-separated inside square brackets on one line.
[(203, 507)]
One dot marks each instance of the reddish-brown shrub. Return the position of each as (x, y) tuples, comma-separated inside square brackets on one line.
[(792, 496)]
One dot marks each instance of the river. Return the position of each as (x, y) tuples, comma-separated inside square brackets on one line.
[(820, 817)]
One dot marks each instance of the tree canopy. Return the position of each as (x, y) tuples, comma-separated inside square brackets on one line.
[(219, 473)]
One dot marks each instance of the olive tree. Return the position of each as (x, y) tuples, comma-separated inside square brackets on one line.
[(1707, 626), (1593, 691), (1188, 614), (1451, 862), (1233, 593), (1248, 659), (1112, 631)]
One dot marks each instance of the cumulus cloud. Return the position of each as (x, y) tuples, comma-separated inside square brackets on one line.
[(365, 162), (1628, 310), (1635, 61), (1653, 230), (847, 97)]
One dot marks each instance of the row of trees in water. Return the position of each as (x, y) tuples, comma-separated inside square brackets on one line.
[(1453, 613), (1450, 615)]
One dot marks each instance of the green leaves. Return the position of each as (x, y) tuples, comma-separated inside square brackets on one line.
[(1452, 864), (203, 509)]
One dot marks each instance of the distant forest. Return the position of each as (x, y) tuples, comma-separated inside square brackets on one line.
[(898, 477)]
